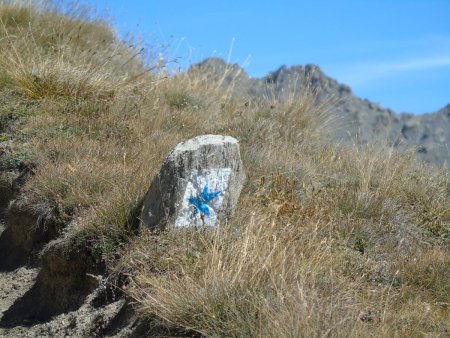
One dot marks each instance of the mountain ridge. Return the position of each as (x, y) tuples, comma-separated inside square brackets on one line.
[(360, 120)]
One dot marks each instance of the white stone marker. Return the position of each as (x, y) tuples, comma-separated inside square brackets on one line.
[(198, 185)]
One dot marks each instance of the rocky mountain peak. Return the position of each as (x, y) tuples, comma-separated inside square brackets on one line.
[(311, 73)]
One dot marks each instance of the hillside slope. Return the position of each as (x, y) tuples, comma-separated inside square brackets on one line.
[(328, 239)]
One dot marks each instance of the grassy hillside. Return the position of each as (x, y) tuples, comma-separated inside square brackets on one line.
[(326, 241)]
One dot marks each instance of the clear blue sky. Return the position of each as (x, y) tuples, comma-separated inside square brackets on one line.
[(394, 52)]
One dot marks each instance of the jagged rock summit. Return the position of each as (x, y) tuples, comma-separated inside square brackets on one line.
[(357, 120), (198, 185)]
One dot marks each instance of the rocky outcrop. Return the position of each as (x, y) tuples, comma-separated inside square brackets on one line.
[(430, 133)]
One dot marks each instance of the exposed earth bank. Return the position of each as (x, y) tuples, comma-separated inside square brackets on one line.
[(46, 291)]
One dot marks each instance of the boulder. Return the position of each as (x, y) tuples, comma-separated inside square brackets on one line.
[(198, 185)]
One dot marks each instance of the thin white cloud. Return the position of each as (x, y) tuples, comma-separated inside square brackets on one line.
[(364, 73)]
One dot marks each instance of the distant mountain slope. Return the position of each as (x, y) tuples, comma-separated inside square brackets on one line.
[(357, 120)]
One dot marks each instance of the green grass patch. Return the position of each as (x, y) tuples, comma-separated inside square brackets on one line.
[(4, 137), (11, 161)]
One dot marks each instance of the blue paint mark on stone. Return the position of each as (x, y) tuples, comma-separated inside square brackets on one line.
[(203, 197), (200, 202)]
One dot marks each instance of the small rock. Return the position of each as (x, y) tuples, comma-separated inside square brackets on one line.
[(198, 185)]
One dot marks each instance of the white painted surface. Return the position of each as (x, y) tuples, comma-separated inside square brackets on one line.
[(217, 180), (196, 142)]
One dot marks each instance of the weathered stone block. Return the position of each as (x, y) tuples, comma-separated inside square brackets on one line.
[(198, 185)]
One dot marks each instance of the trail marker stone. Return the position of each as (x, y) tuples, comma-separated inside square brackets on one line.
[(198, 185)]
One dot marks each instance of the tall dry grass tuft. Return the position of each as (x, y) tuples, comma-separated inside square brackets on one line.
[(54, 56), (258, 279)]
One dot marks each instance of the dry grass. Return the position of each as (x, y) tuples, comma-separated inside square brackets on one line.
[(327, 240), (349, 258), (53, 56)]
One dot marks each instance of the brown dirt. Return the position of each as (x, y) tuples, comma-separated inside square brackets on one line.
[(86, 321), (90, 319), (49, 293)]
